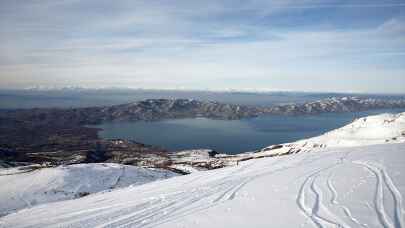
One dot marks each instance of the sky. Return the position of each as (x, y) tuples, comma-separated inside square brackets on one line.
[(263, 45)]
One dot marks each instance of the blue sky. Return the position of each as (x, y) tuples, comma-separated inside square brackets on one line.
[(306, 45)]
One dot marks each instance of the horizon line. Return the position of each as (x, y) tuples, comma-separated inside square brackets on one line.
[(225, 90)]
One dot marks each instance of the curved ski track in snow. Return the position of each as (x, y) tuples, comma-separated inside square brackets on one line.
[(384, 180)]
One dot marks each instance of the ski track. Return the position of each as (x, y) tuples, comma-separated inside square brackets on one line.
[(319, 207), (313, 212), (397, 198), (332, 189), (317, 211), (168, 209), (319, 214), (335, 202), (383, 179), (143, 214)]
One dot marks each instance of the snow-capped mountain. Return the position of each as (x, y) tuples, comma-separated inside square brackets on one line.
[(335, 104), (32, 185)]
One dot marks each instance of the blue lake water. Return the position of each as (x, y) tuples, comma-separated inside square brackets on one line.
[(230, 136)]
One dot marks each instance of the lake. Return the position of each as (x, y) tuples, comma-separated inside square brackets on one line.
[(230, 136)]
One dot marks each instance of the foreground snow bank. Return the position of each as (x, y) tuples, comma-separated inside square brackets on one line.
[(333, 187), (26, 186)]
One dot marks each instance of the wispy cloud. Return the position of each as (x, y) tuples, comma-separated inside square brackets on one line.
[(335, 45), (337, 5)]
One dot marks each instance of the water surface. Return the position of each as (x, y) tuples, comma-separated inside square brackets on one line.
[(230, 136)]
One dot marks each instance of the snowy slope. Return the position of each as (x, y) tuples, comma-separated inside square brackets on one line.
[(25, 187), (366, 131), (333, 187), (349, 177), (371, 130)]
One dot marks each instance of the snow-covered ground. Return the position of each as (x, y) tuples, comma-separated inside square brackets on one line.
[(371, 130), (28, 186), (355, 179), (378, 129), (345, 187)]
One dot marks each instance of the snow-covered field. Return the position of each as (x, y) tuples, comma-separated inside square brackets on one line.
[(25, 187), (349, 187), (344, 185)]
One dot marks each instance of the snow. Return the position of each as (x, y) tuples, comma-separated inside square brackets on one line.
[(346, 187), (193, 155), (185, 168), (371, 130), (189, 161), (28, 186), (366, 131), (355, 179)]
